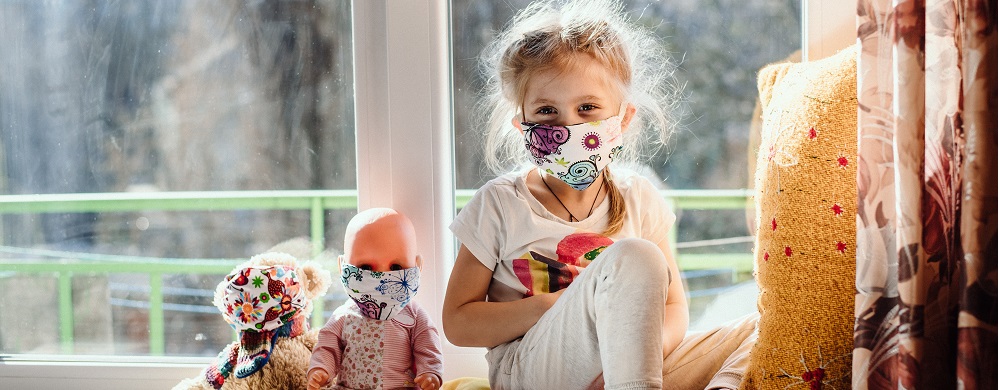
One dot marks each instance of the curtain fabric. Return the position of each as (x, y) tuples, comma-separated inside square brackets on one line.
[(926, 185)]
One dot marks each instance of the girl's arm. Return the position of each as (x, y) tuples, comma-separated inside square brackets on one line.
[(470, 321), (676, 312)]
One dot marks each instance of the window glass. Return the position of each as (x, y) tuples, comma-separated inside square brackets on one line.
[(106, 103), (720, 46)]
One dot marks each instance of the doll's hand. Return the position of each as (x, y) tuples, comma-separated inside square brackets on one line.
[(427, 381), (318, 378)]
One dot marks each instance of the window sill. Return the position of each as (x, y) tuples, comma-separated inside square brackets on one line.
[(96, 372)]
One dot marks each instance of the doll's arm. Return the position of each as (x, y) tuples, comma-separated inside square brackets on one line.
[(427, 353), (326, 356)]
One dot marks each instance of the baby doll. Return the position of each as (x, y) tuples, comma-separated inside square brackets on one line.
[(379, 338)]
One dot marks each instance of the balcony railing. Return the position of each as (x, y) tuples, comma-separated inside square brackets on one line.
[(317, 202)]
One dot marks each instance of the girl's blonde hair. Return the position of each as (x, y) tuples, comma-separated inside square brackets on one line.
[(545, 36)]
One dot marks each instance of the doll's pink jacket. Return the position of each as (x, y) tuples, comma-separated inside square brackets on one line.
[(359, 352)]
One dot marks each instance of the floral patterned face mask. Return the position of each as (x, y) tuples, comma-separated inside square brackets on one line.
[(575, 154), (261, 298), (380, 295)]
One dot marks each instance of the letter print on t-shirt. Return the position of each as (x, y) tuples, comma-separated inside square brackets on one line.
[(541, 274)]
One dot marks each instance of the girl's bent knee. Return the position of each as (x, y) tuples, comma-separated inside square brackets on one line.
[(636, 255)]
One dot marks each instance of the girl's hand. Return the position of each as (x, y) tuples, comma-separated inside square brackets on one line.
[(428, 381)]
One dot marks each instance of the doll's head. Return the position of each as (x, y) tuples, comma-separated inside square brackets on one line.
[(598, 48), (380, 239), (380, 269)]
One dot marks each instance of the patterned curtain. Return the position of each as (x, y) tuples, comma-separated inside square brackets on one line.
[(926, 221)]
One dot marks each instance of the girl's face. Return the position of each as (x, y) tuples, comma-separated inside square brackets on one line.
[(585, 92)]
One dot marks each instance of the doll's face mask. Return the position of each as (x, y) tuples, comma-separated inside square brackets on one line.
[(380, 295), (575, 154)]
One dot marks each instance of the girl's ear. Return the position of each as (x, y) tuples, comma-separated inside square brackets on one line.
[(339, 262), (629, 114), (419, 262), (516, 123)]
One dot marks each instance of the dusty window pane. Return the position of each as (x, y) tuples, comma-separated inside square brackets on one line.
[(125, 97)]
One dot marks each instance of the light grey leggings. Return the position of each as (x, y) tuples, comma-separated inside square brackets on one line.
[(606, 331)]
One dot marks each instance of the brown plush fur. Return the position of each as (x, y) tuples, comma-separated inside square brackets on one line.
[(290, 357), (285, 369)]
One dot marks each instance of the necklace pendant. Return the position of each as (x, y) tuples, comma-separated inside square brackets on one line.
[(572, 218)]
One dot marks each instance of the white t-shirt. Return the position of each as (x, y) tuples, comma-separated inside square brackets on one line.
[(531, 251)]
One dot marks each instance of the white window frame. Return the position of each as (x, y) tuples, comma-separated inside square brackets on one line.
[(827, 26), (402, 76), (404, 126)]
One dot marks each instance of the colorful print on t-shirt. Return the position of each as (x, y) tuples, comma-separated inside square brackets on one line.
[(542, 274)]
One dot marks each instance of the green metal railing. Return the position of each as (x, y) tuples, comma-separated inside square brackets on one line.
[(317, 202)]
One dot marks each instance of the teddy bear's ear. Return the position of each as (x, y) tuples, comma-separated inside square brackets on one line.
[(316, 279)]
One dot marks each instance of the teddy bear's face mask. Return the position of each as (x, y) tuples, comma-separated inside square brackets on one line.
[(261, 298)]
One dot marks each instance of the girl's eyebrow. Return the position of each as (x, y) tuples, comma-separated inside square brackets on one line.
[(542, 101), (587, 98), (590, 98)]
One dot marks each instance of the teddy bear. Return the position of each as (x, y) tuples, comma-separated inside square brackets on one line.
[(268, 300)]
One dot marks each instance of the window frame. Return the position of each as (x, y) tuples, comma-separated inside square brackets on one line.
[(404, 142)]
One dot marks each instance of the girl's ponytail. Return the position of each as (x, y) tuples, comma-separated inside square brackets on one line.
[(617, 212)]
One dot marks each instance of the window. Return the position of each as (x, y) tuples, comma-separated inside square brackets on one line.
[(142, 143)]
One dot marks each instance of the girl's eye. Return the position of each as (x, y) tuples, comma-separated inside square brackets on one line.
[(587, 107), (546, 111), (395, 267), (366, 267)]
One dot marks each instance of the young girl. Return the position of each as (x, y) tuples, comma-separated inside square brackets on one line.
[(564, 271)]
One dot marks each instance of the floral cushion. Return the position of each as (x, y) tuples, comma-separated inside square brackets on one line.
[(806, 196)]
